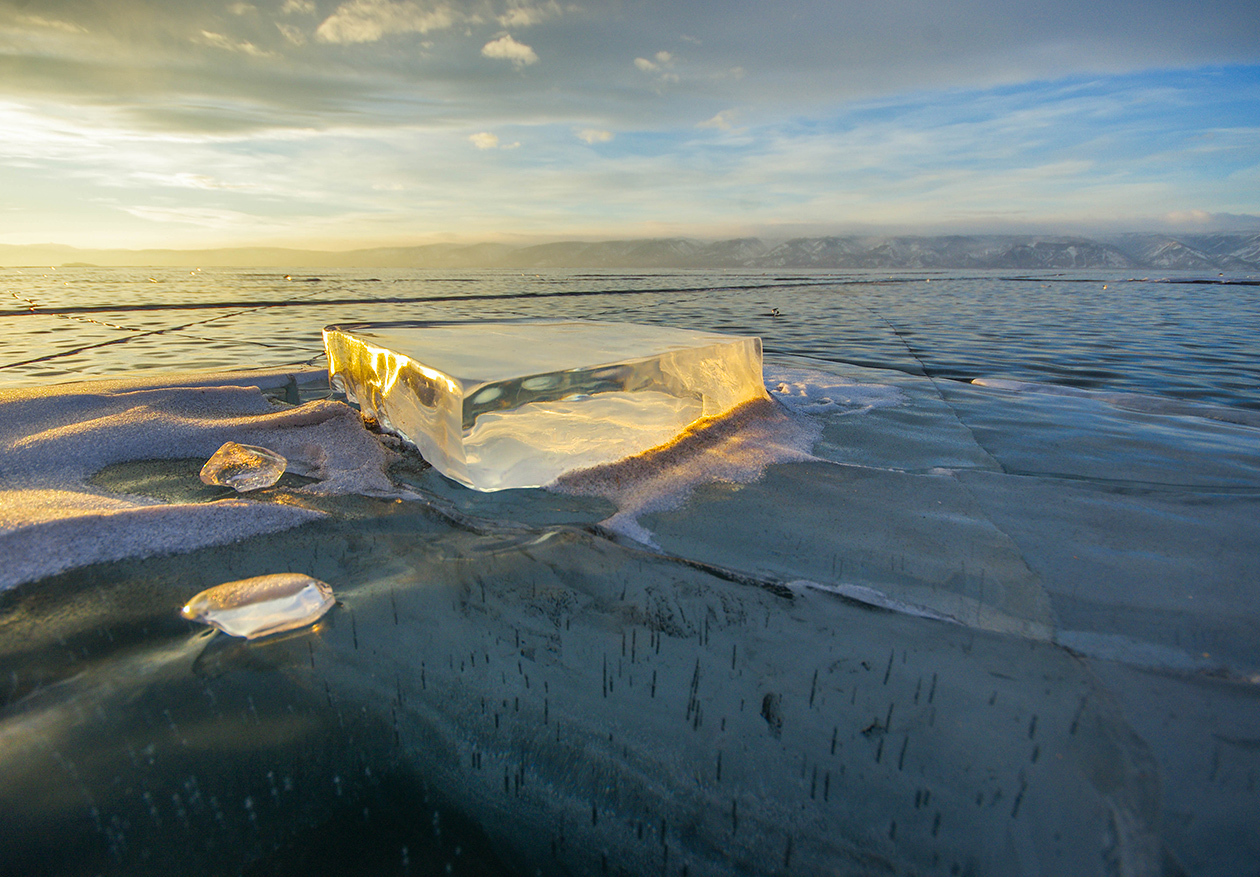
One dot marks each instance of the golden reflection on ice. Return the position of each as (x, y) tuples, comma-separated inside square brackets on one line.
[(507, 404)]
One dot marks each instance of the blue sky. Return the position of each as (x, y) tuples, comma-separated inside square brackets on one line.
[(363, 122)]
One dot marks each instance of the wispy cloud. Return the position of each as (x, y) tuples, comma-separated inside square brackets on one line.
[(486, 140), (187, 180), (219, 41), (721, 121), (53, 23), (366, 21), (202, 217), (594, 135), (523, 14), (659, 60), (507, 49), (294, 34)]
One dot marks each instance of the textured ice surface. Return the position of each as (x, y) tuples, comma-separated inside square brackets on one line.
[(243, 467), (261, 605), (495, 405)]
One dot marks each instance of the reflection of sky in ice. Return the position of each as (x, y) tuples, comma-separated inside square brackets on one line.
[(1092, 555)]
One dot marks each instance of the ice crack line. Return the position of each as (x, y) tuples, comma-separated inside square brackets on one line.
[(904, 343), (980, 505), (361, 300), (136, 333), (36, 307), (936, 385)]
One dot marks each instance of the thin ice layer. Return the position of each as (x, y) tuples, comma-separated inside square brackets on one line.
[(495, 405)]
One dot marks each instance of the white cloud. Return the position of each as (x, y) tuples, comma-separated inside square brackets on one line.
[(366, 21), (594, 135), (659, 65), (242, 8), (507, 49), (523, 15), (291, 6)]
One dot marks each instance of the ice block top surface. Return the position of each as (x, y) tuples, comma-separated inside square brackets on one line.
[(481, 352)]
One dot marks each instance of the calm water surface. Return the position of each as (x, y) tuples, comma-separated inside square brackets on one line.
[(1183, 337)]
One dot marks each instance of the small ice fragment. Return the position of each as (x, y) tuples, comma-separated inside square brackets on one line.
[(517, 403), (243, 467), (261, 605)]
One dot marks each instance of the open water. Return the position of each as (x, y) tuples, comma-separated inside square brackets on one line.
[(981, 595)]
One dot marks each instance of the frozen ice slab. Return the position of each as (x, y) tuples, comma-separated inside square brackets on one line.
[(261, 605), (518, 403), (243, 467)]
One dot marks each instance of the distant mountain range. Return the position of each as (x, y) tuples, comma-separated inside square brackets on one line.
[(1156, 252)]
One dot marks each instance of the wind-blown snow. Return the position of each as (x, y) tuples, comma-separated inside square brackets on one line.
[(54, 438)]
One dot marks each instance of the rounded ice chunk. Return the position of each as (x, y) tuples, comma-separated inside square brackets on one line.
[(261, 605), (243, 467)]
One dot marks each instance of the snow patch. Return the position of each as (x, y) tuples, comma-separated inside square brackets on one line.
[(807, 391)]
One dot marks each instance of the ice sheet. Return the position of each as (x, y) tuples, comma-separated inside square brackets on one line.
[(497, 405), (582, 702)]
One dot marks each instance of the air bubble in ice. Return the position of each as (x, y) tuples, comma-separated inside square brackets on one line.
[(261, 605), (243, 467)]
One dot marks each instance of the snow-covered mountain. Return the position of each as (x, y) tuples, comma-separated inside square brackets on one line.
[(1236, 252), (1239, 252)]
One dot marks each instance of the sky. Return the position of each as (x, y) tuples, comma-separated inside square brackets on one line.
[(349, 123)]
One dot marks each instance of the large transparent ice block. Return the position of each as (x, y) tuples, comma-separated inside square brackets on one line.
[(518, 403)]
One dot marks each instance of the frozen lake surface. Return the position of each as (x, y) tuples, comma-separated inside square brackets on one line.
[(978, 591)]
